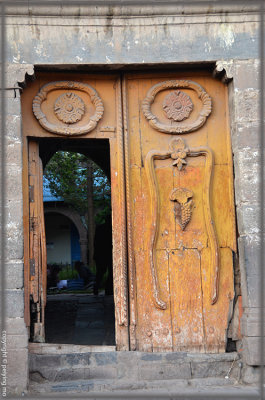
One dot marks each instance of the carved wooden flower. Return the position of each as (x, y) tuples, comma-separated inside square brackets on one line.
[(69, 108), (179, 152), (177, 105)]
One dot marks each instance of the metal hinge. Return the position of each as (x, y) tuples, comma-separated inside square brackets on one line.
[(32, 266), (31, 194)]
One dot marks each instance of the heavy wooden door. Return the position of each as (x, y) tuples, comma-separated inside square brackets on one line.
[(171, 167), (37, 244), (181, 223), (71, 111)]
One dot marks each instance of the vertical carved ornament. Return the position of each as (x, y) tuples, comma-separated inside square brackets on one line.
[(183, 203), (183, 197)]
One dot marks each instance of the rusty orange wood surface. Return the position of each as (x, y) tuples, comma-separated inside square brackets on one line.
[(101, 96), (37, 242), (182, 211), (172, 198)]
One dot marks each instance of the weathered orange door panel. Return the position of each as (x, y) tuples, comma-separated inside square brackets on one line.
[(67, 107), (181, 211), (37, 243), (171, 164)]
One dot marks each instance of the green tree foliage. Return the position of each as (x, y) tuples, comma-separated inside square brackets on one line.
[(67, 175)]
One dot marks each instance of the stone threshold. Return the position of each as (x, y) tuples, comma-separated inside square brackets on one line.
[(53, 348)]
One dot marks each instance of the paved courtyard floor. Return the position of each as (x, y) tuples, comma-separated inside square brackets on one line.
[(80, 319)]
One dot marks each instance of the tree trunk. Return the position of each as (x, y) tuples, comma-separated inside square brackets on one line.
[(91, 219)]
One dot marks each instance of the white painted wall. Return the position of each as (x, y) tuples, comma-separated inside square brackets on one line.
[(58, 239)]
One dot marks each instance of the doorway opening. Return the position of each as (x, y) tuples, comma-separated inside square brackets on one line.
[(77, 212)]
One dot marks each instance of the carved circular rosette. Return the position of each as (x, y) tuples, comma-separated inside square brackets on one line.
[(69, 108), (178, 106)]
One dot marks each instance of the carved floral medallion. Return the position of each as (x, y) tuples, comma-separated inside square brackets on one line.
[(69, 108), (177, 105)]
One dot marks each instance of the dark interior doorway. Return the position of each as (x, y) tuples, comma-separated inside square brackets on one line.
[(82, 311)]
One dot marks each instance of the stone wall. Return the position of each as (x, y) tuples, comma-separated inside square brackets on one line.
[(245, 137), (71, 39)]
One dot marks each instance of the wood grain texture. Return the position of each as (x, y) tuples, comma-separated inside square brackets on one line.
[(173, 281), (110, 127), (184, 276), (131, 264), (37, 242)]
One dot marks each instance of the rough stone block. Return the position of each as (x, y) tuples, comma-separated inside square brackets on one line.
[(175, 357), (17, 374), (127, 371), (249, 253), (246, 105), (12, 102), (248, 219), (16, 326), (57, 374), (128, 357), (164, 371), (246, 74), (13, 154), (105, 359), (253, 290), (251, 350), (14, 241), (17, 342), (13, 183), (76, 360), (214, 369), (103, 372), (14, 212), (151, 357), (251, 322), (13, 129), (53, 361), (14, 274), (251, 375), (14, 303), (246, 135), (247, 176)]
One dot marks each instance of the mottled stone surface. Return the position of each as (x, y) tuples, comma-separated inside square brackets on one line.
[(141, 39), (133, 366), (14, 303), (150, 36), (14, 275)]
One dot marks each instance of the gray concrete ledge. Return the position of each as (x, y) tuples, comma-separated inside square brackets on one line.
[(112, 8)]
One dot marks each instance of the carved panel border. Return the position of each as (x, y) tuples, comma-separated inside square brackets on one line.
[(177, 127), (67, 130), (155, 207)]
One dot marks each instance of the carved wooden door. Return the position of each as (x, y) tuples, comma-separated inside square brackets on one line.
[(181, 223), (72, 112), (37, 244)]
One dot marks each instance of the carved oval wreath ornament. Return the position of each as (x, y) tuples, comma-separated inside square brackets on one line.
[(178, 106), (68, 107)]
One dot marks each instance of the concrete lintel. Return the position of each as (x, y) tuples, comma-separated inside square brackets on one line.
[(128, 8)]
